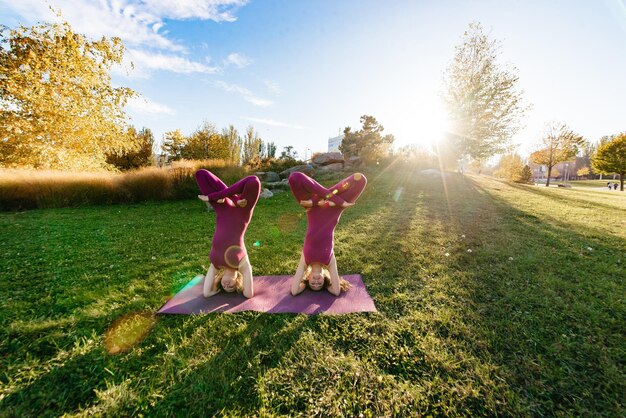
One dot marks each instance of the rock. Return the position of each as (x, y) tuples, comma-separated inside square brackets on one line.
[(355, 161), (278, 185), (328, 158), (332, 167), (266, 193), (268, 176), (307, 169)]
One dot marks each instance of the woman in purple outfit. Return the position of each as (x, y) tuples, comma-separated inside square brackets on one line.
[(318, 267), (230, 267)]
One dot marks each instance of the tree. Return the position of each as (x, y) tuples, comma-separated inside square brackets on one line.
[(288, 153), (173, 144), (583, 172), (142, 157), (511, 168), (270, 150), (483, 102), (367, 143), (527, 174), (234, 141), (559, 144), (251, 145), (611, 157), (206, 143), (58, 108)]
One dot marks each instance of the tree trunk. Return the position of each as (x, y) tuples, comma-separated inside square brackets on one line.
[(548, 179), (621, 181)]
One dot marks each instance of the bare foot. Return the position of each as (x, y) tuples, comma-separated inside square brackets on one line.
[(242, 203), (203, 198), (306, 203), (347, 204)]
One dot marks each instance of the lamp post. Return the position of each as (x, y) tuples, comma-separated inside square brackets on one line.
[(566, 172)]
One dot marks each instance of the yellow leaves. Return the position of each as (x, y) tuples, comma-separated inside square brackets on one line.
[(64, 113)]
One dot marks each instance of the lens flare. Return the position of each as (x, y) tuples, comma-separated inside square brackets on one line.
[(398, 193), (128, 331), (232, 255), (288, 222)]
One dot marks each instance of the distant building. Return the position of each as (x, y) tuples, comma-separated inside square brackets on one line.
[(333, 143)]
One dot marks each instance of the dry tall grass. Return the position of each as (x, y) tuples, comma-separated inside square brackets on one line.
[(30, 189)]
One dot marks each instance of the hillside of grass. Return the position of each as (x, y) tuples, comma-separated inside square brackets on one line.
[(493, 299)]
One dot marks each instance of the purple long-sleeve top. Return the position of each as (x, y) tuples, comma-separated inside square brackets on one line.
[(231, 221), (322, 220)]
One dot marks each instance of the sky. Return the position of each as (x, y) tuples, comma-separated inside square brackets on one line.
[(300, 71)]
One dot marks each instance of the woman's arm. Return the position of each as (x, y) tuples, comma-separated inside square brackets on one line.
[(334, 287), (210, 286), (248, 188), (246, 271), (297, 286)]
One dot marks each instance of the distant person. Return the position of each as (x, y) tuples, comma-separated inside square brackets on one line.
[(609, 185), (614, 186)]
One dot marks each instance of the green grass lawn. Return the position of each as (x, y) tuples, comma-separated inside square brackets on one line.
[(532, 321), (595, 183)]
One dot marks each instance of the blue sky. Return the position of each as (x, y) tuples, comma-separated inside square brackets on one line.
[(300, 71)]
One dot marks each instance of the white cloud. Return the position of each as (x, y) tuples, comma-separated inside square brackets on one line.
[(237, 60), (145, 61), (138, 23), (271, 122), (273, 87), (247, 95), (216, 10), (145, 106), (100, 18)]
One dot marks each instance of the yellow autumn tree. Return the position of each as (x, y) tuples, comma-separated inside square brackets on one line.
[(58, 108)]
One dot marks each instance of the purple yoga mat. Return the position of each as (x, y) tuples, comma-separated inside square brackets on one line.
[(271, 295)]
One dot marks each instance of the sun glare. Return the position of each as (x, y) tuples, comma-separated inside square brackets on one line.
[(427, 124)]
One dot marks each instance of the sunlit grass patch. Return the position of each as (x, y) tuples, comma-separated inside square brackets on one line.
[(530, 322)]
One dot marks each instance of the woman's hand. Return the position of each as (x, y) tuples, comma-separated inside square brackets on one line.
[(306, 203), (204, 198)]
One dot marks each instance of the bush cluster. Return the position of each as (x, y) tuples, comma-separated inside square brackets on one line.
[(26, 189)]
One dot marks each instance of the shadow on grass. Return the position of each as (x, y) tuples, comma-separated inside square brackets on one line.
[(228, 380), (549, 314)]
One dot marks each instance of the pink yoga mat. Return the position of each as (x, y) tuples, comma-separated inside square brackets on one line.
[(271, 295)]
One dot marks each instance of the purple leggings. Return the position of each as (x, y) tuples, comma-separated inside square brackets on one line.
[(322, 220), (231, 220)]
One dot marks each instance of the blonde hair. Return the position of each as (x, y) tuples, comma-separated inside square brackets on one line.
[(344, 285), (217, 281)]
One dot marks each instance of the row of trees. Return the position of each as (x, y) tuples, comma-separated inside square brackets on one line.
[(561, 144), (486, 109), (206, 142)]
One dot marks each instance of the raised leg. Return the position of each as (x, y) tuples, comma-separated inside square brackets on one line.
[(247, 189), (304, 187), (208, 182), (350, 188)]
